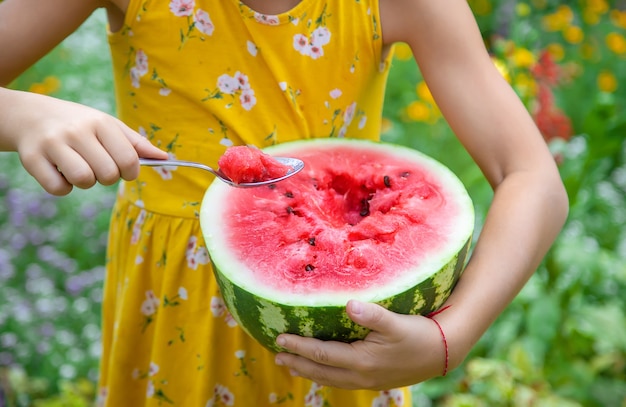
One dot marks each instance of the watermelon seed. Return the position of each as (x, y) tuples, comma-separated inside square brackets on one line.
[(272, 186), (312, 241), (405, 174), (289, 194), (387, 181), (289, 209), (365, 207), (309, 267)]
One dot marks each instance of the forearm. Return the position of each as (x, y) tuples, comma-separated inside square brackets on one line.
[(527, 213), (11, 103)]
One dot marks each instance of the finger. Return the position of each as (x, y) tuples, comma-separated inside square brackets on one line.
[(48, 176), (372, 316), (319, 373), (72, 166), (329, 353)]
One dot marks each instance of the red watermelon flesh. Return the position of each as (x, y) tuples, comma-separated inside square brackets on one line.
[(243, 164), (339, 226)]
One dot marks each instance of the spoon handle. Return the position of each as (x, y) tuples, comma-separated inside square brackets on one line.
[(177, 163)]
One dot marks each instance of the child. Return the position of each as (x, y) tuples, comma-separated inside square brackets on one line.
[(196, 76)]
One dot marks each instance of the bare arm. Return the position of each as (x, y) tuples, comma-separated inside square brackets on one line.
[(530, 203), (527, 212), (60, 143)]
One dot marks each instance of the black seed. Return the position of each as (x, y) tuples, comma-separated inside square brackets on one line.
[(289, 194), (405, 174), (387, 181), (309, 267), (312, 241), (289, 209), (272, 186), (365, 207)]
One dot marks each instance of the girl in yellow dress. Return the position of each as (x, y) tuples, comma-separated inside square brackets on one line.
[(193, 77)]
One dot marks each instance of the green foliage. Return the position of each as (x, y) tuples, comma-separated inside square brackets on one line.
[(560, 343)]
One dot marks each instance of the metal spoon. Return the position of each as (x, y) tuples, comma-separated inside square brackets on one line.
[(295, 164)]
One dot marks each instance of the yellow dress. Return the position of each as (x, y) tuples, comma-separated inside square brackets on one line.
[(195, 77)]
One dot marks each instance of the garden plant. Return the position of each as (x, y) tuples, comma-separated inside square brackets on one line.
[(562, 342)]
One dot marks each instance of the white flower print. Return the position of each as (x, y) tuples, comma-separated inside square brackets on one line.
[(240, 354), (314, 397), (153, 369), (247, 99), (348, 115), (238, 84), (252, 49), (165, 91), (137, 227), (182, 293), (225, 141), (196, 254), (165, 171), (218, 308), (312, 46), (320, 36), (221, 394), (150, 389), (138, 259), (227, 84), (283, 86), (230, 321), (335, 93), (150, 304), (203, 22), (266, 19), (386, 398), (182, 8), (362, 122), (139, 69)]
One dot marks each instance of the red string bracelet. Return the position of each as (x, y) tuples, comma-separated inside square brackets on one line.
[(443, 336)]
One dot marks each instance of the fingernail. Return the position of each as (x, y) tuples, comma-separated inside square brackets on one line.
[(356, 307), (279, 362), (281, 341), (293, 372)]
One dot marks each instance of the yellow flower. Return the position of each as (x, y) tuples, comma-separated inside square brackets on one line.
[(619, 18), (523, 58), (502, 68), (418, 111), (616, 43), (597, 6), (607, 82), (522, 9), (403, 52), (48, 86), (385, 125), (481, 7), (559, 20), (525, 84), (556, 50), (573, 34), (424, 93)]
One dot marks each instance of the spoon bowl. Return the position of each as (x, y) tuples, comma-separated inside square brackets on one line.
[(295, 164)]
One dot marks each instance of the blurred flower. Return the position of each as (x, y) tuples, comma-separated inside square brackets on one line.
[(616, 43), (418, 111), (403, 52), (573, 34), (556, 50), (523, 58), (607, 82), (546, 70), (522, 9), (559, 20), (502, 68), (618, 18), (481, 7), (48, 86)]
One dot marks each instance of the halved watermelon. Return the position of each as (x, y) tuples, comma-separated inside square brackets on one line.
[(364, 220)]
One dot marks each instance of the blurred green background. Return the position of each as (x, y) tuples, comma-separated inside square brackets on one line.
[(562, 342)]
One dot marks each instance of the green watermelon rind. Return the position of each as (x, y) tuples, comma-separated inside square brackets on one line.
[(264, 318)]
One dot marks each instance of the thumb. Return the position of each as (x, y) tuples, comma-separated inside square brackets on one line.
[(371, 316)]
